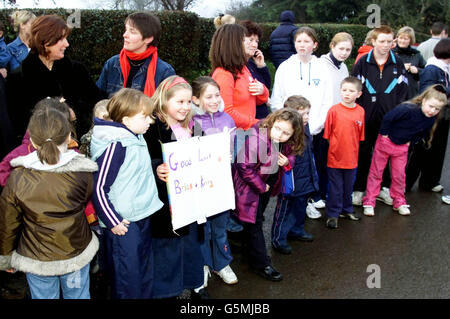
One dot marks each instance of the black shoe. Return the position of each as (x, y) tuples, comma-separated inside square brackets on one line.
[(351, 216), (268, 273), (332, 222), (201, 294), (303, 237), (285, 249)]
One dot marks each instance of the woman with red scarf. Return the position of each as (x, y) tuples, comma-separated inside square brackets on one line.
[(138, 65)]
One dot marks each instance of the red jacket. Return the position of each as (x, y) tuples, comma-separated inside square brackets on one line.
[(239, 103)]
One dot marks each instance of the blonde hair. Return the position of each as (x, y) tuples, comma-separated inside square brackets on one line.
[(224, 19), (340, 37), (409, 32), (127, 102), (432, 92), (21, 16), (163, 94), (101, 107), (369, 37)]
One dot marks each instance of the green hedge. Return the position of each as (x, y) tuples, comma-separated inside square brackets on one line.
[(184, 42)]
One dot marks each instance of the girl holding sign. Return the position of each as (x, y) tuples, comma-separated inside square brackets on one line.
[(178, 258), (211, 118), (258, 175)]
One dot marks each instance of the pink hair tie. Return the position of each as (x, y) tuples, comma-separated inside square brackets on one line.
[(177, 81)]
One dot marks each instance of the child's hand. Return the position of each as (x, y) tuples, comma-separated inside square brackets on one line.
[(282, 160), (267, 188), (11, 270), (256, 88), (163, 172), (121, 229)]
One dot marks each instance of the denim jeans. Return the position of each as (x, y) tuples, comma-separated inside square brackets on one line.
[(215, 249), (74, 285)]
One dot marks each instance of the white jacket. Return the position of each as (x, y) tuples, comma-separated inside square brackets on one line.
[(311, 80), (336, 74)]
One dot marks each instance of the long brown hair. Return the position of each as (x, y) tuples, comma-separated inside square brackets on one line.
[(227, 49), (48, 128), (296, 141), (437, 92)]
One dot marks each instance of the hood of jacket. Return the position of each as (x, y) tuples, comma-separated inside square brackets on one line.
[(440, 64), (107, 132), (70, 161), (365, 49), (287, 16)]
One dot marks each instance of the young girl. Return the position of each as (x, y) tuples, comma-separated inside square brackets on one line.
[(308, 76), (178, 258), (44, 231), (210, 117), (406, 123), (125, 193), (26, 147), (289, 216), (258, 175)]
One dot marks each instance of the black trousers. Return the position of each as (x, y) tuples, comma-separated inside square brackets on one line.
[(366, 148), (254, 236), (428, 163)]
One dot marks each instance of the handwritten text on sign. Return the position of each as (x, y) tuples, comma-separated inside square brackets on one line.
[(200, 182)]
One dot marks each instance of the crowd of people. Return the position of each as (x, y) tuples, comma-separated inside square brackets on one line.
[(84, 178)]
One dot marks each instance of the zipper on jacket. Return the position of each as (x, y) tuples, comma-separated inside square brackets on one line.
[(381, 75), (212, 120)]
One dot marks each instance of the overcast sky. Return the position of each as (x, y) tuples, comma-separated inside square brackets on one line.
[(204, 8)]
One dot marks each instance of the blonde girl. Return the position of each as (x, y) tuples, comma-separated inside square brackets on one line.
[(178, 258), (406, 123), (125, 193)]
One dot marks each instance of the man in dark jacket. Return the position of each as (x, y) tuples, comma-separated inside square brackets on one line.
[(282, 39), (385, 85)]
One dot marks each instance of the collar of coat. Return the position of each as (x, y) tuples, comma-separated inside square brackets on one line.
[(70, 161)]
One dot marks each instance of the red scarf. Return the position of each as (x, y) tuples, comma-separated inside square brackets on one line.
[(149, 88)]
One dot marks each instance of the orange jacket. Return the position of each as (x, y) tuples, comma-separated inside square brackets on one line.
[(239, 103)]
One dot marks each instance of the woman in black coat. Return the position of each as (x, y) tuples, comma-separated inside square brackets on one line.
[(48, 72), (412, 58)]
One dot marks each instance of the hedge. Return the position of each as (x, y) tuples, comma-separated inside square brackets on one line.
[(185, 38)]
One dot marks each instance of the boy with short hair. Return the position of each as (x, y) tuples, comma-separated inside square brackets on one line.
[(289, 216), (344, 129)]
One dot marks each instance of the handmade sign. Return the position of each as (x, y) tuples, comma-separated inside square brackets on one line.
[(200, 182)]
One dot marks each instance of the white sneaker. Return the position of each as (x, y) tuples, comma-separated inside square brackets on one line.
[(319, 203), (446, 199), (228, 276), (207, 274), (369, 211), (437, 188), (357, 198), (403, 210), (312, 212), (385, 197)]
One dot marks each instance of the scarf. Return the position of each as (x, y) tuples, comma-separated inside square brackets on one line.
[(149, 88)]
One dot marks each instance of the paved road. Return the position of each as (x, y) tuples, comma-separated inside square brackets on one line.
[(413, 254)]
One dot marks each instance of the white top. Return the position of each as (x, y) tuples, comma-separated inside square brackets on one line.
[(337, 75), (312, 80)]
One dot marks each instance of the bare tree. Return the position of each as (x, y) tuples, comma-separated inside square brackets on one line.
[(180, 5)]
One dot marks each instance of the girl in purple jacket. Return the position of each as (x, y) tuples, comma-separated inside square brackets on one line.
[(209, 119), (269, 150)]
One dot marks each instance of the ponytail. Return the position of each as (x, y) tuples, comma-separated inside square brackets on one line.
[(48, 129)]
